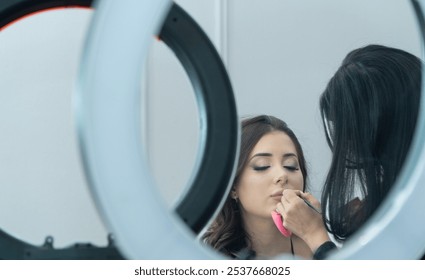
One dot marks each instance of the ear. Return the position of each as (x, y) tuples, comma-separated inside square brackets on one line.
[(233, 194)]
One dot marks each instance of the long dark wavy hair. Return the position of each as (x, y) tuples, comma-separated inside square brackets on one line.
[(369, 111), (227, 234)]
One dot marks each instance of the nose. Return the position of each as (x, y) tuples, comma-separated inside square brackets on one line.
[(281, 178)]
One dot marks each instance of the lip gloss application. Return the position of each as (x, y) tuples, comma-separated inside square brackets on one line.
[(277, 219), (277, 196)]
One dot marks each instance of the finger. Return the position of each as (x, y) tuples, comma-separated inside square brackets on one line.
[(284, 198), (280, 208), (298, 193), (291, 196), (305, 195), (311, 199), (288, 194)]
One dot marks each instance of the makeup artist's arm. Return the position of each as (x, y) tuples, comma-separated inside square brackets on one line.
[(302, 220)]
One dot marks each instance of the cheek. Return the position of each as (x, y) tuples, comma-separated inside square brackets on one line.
[(250, 189), (297, 182)]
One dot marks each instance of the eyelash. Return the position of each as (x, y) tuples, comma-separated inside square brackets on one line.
[(262, 168), (292, 168)]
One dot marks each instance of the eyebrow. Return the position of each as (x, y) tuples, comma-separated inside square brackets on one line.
[(269, 155)]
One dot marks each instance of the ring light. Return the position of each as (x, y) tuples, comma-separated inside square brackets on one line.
[(10, 247), (380, 239), (109, 129), (14, 10), (219, 120), (208, 76)]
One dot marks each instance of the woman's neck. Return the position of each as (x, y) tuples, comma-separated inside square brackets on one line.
[(266, 239)]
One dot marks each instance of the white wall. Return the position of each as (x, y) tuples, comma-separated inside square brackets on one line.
[(279, 54), (43, 190)]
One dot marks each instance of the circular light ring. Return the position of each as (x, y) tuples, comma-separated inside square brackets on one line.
[(219, 127), (12, 248), (219, 119), (380, 239), (107, 103), (14, 10)]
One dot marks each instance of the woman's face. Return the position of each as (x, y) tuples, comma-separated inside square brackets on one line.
[(272, 167)]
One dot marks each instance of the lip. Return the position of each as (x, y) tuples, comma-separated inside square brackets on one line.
[(276, 195)]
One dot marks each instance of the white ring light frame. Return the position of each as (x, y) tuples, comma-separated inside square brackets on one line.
[(111, 148), (149, 235), (214, 95)]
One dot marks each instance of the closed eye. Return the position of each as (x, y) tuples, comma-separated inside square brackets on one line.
[(291, 168), (261, 168)]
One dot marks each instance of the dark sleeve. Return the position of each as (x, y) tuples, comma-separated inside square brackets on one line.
[(323, 250)]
